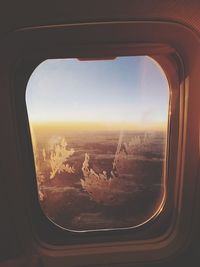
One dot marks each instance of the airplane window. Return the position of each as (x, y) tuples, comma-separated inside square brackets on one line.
[(99, 133)]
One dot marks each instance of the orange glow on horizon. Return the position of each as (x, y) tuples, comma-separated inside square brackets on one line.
[(99, 126)]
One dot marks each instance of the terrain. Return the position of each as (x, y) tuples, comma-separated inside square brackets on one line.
[(122, 184)]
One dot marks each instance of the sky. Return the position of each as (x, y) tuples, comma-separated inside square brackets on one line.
[(127, 90)]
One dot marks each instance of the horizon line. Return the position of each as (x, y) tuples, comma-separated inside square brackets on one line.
[(109, 125)]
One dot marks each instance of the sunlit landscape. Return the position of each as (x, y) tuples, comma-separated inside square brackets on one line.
[(99, 138)]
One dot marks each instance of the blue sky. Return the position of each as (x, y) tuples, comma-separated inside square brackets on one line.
[(127, 89)]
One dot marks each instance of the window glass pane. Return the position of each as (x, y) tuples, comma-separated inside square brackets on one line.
[(99, 130)]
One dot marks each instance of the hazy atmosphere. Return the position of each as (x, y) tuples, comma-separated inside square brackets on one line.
[(127, 90)]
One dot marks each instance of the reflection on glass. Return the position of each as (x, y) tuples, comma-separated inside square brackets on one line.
[(99, 133)]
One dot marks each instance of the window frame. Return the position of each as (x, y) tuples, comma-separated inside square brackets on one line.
[(166, 234)]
